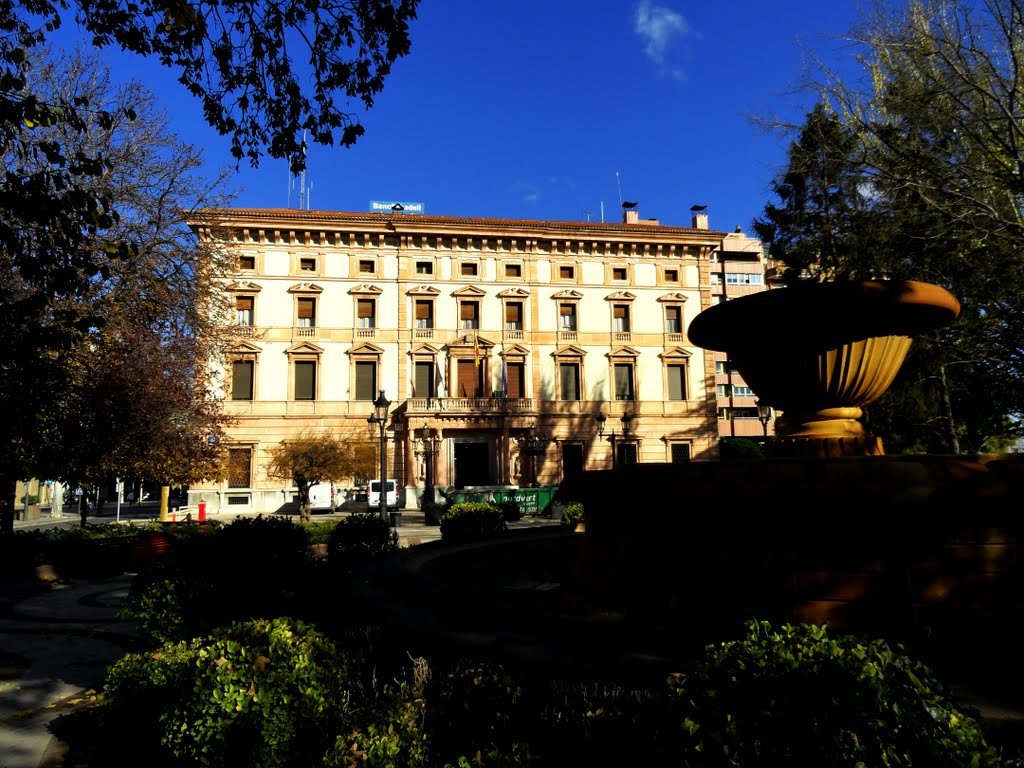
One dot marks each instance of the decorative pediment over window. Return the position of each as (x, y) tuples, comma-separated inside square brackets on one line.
[(365, 349), (673, 297), (676, 353), (567, 294), (623, 352), (423, 290), (304, 348), (366, 288), (516, 350), (469, 341), (570, 350), (620, 296), (305, 288), (424, 349), (469, 290), (514, 293), (244, 348), (239, 286)]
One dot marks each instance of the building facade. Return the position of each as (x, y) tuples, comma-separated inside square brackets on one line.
[(482, 331)]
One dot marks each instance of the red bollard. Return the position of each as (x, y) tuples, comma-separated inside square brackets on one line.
[(202, 511)]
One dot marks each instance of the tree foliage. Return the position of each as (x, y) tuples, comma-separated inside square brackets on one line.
[(931, 143)]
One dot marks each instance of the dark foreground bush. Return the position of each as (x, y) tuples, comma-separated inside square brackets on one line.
[(472, 520), (795, 696), (357, 540)]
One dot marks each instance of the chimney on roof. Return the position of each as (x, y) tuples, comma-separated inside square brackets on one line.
[(700, 216), (630, 215)]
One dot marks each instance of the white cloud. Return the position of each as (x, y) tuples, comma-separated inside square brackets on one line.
[(660, 28)]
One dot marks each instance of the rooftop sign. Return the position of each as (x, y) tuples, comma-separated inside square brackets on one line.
[(393, 206)]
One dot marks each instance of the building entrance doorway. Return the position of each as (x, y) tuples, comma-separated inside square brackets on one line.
[(472, 463)]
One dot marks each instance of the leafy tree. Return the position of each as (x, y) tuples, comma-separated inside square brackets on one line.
[(311, 458)]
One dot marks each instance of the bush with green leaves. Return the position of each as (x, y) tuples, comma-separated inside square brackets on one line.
[(572, 515), (510, 510), (358, 540), (433, 512), (250, 568), (472, 520), (796, 696), (259, 694), (320, 531)]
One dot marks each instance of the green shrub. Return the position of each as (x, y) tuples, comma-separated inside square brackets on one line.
[(471, 520), (572, 515), (510, 510), (433, 512), (320, 531), (265, 693), (796, 696), (734, 448), (357, 540)]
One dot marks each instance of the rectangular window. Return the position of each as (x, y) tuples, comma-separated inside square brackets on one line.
[(626, 453), (623, 381), (305, 380), (673, 320), (569, 378), (469, 314), (307, 264), (723, 390), (716, 278), (244, 306), (468, 269), (618, 273), (513, 270), (246, 262), (239, 467), (677, 382), (740, 390), (423, 381), (241, 379), (572, 459), (470, 378), (567, 273), (424, 268), (424, 313), (671, 275), (367, 266), (567, 316), (514, 316), (366, 313), (366, 380), (721, 366), (680, 453), (307, 312), (514, 380), (620, 318)]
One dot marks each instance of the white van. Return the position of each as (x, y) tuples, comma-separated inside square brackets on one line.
[(322, 497), (373, 494)]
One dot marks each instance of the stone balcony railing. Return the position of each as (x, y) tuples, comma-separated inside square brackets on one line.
[(470, 404)]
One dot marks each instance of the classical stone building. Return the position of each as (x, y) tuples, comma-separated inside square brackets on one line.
[(480, 330)]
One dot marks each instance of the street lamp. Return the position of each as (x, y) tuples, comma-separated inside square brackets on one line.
[(380, 418), (626, 419), (764, 415), (533, 445), (427, 446)]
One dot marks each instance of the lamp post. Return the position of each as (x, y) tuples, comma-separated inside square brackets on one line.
[(764, 415), (533, 445), (427, 446), (626, 419), (380, 418)]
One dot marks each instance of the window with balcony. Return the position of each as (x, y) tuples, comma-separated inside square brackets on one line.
[(366, 313), (515, 380), (469, 379), (424, 313), (623, 379), (245, 310), (305, 379), (569, 381), (673, 319), (513, 316), (567, 316), (366, 379), (469, 315), (306, 312), (423, 379), (620, 318), (242, 377)]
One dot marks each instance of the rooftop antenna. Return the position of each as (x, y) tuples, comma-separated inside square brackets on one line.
[(586, 214), (619, 187), (302, 177)]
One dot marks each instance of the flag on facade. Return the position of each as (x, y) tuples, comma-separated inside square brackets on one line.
[(476, 349)]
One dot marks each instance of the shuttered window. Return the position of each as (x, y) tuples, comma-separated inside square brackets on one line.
[(514, 380), (623, 381), (244, 310), (307, 312), (514, 316), (424, 313), (366, 380), (423, 383), (241, 379), (469, 379), (673, 321), (469, 314), (305, 380), (676, 382), (569, 378), (366, 313)]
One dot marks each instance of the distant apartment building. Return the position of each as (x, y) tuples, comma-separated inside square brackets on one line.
[(482, 331), (737, 269)]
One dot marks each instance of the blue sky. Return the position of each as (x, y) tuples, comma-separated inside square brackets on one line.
[(559, 110)]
